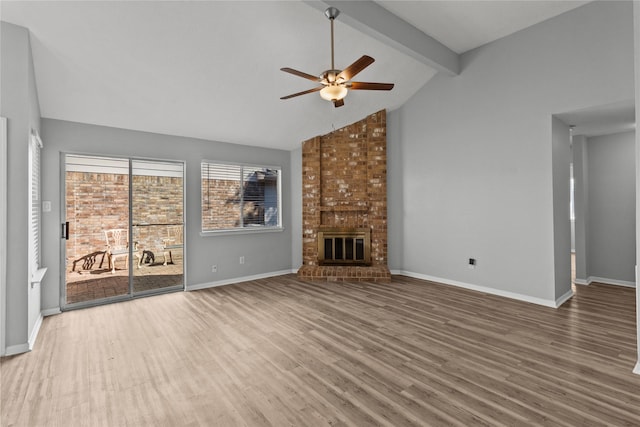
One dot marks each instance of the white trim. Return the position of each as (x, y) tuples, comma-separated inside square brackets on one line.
[(17, 349), (223, 162), (28, 346), (51, 311), (396, 272), (564, 298), (36, 138), (636, 370), (294, 270), (606, 281), (237, 280), (581, 282), (34, 332), (486, 290), (245, 230), (3, 231), (120, 166), (38, 275)]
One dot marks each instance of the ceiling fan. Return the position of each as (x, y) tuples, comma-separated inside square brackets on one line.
[(335, 84)]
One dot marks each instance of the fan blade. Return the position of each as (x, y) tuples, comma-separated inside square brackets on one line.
[(315, 89), (353, 69), (370, 86), (300, 74), (338, 103)]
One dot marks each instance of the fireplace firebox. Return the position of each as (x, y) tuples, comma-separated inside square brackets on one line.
[(344, 246)]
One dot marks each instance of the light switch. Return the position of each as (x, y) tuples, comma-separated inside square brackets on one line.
[(46, 206)]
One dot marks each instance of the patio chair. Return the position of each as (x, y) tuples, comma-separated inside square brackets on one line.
[(117, 246), (172, 242)]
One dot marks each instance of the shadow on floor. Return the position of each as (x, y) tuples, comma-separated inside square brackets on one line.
[(89, 285)]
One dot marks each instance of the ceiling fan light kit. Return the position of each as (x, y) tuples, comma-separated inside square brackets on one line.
[(335, 84), (333, 92)]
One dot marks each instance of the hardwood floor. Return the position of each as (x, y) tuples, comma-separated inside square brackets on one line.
[(283, 352)]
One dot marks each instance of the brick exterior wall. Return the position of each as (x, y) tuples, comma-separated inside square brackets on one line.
[(218, 209), (344, 184), (221, 202), (100, 201)]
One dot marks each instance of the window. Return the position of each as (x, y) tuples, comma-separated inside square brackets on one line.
[(240, 197)]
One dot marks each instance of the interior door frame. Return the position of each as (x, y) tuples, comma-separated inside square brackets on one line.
[(64, 306)]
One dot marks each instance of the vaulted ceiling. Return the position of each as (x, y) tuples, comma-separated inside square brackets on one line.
[(211, 69)]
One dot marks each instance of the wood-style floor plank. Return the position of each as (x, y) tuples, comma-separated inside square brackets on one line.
[(281, 352)]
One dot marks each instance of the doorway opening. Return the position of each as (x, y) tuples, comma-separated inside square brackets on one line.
[(602, 193)]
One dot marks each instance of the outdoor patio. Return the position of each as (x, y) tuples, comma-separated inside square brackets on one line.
[(98, 283)]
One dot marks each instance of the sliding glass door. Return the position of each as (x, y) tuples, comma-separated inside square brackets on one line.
[(157, 195), (123, 229)]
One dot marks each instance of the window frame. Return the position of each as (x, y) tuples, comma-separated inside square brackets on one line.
[(243, 229), (35, 208)]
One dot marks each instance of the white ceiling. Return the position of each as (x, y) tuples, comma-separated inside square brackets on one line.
[(210, 69), (602, 119), (465, 25)]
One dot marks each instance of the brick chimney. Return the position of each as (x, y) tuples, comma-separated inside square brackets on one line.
[(344, 186)]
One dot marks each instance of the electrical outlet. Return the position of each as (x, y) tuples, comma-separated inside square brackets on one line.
[(242, 260), (214, 268)]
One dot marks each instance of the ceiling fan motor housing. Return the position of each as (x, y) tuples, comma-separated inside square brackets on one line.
[(331, 76)]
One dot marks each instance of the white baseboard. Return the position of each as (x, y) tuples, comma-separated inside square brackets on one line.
[(28, 346), (16, 349), (492, 291), (607, 281), (604, 281), (564, 298), (636, 370), (396, 272), (237, 280), (51, 311), (34, 332)]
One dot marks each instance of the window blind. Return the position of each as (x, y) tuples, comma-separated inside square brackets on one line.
[(34, 176)]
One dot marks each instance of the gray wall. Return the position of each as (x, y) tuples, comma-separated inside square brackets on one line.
[(581, 199), (611, 226), (561, 161), (20, 106), (395, 202), (636, 20), (477, 149), (264, 252), (296, 208)]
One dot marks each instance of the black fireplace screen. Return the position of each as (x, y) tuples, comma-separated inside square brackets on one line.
[(344, 246)]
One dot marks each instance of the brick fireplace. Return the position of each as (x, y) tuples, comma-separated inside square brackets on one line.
[(344, 186)]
